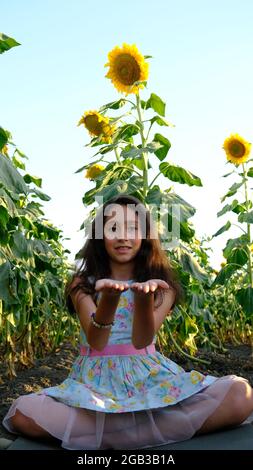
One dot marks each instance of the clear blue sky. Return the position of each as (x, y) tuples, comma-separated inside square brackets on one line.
[(201, 66)]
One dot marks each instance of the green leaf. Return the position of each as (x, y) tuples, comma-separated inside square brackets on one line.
[(51, 233), (4, 236), (131, 186), (228, 174), (21, 154), (179, 174), (156, 197), (238, 256), (191, 265), (40, 194), (245, 298), (113, 105), (143, 104), (235, 207), (33, 179), (239, 208), (33, 209), (20, 246), (223, 229), (41, 247), (138, 162), (232, 243), (5, 269), (18, 163), (250, 172), (148, 57), (8, 202), (186, 232), (10, 177), (232, 190), (246, 217), (153, 147), (225, 274), (127, 131), (224, 210), (3, 138), (84, 167), (165, 146), (160, 121), (7, 43), (156, 103), (131, 152), (4, 216)]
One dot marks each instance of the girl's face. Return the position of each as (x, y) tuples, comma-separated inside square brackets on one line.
[(122, 233)]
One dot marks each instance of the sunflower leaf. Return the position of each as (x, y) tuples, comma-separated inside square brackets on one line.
[(7, 43), (165, 146), (33, 179), (21, 154), (245, 298), (233, 243), (233, 190), (4, 137), (161, 122), (228, 174), (18, 163), (157, 104), (230, 207), (223, 229), (191, 265), (127, 131), (250, 172), (246, 217), (224, 274), (179, 174), (238, 256), (113, 105)]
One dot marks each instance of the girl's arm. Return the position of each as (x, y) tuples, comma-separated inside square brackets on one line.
[(146, 321), (104, 312)]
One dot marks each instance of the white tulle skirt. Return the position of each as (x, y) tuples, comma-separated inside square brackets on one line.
[(84, 429)]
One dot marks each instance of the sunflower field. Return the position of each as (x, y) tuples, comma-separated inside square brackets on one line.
[(131, 148)]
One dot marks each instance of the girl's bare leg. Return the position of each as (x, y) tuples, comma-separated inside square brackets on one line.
[(235, 408), (28, 427)]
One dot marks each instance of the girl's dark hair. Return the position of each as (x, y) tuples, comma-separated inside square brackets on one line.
[(151, 262)]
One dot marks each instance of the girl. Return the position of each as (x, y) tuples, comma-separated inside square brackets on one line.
[(121, 393)]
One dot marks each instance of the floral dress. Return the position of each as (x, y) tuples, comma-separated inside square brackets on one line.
[(124, 402)]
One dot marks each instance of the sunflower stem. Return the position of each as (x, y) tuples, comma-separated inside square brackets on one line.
[(143, 142), (117, 155), (242, 229), (152, 182), (248, 225), (128, 168)]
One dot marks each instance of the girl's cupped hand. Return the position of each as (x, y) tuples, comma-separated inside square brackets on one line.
[(111, 287), (150, 286)]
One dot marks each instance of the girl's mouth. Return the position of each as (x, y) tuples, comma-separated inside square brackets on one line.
[(123, 249)]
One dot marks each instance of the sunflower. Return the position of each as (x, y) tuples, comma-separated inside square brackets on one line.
[(237, 149), (126, 67), (97, 125), (94, 171)]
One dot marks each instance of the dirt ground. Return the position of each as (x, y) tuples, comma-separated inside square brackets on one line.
[(54, 368)]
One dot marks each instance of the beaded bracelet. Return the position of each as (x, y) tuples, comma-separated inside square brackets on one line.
[(100, 325)]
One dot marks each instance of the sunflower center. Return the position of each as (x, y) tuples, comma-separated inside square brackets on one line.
[(237, 149), (93, 125), (127, 69)]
